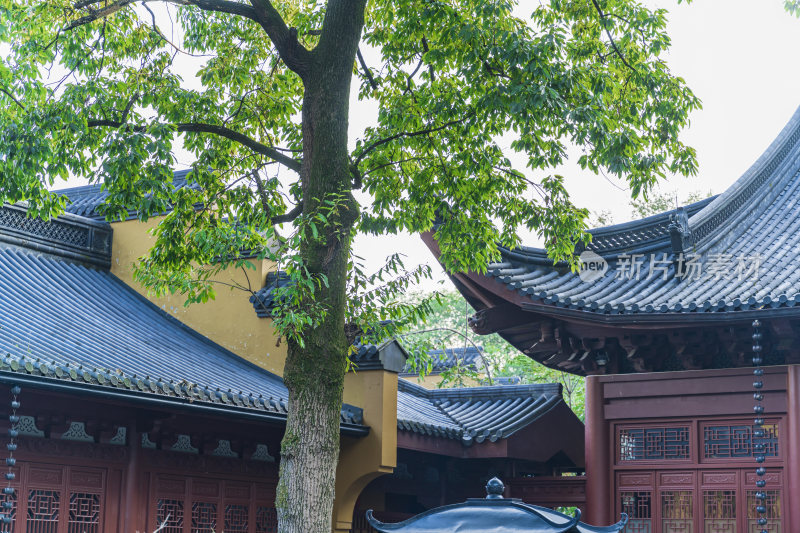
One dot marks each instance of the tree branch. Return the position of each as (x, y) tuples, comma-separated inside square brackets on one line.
[(425, 50), (610, 38), (99, 14), (288, 217), (219, 6), (10, 95), (366, 70), (279, 219), (222, 131), (295, 55), (391, 138)]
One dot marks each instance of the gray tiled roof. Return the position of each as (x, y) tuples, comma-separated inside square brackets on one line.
[(757, 217), (264, 300), (85, 200), (61, 320), (441, 360), (473, 413)]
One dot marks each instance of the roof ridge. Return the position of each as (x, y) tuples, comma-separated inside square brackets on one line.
[(68, 235), (717, 212), (483, 391), (85, 199)]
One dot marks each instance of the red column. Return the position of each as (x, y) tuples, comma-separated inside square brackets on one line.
[(134, 516), (792, 472), (599, 486)]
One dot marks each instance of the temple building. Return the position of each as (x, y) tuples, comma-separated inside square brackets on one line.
[(136, 412), (659, 318)]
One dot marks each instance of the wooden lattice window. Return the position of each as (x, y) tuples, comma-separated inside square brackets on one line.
[(84, 513), (266, 520), (208, 505), (773, 515), (169, 513), (236, 518), (43, 509), (737, 441), (719, 511), (8, 502), (638, 506), (677, 511), (204, 517), (653, 443)]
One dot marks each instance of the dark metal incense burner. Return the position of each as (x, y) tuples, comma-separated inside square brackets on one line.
[(494, 514)]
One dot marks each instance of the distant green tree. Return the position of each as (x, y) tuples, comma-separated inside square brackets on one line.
[(656, 203), (446, 327)]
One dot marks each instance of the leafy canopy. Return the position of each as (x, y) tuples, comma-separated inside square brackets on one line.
[(478, 107)]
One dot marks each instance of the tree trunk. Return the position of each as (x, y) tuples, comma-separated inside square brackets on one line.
[(314, 373)]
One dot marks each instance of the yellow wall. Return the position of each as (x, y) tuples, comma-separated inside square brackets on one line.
[(229, 320), (362, 460)]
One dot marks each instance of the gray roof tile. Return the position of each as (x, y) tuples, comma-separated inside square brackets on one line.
[(85, 200), (473, 414), (63, 320), (441, 360), (755, 217)]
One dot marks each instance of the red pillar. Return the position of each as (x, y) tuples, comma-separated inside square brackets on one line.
[(599, 486), (792, 472), (134, 515)]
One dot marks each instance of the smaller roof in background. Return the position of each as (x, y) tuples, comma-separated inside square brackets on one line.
[(470, 358), (85, 200), (473, 414)]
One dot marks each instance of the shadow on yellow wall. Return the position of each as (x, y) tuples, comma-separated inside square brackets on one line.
[(231, 321)]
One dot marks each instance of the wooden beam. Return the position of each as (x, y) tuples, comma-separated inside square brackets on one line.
[(499, 318)]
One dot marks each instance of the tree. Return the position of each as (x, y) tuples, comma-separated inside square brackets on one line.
[(662, 202), (100, 89), (446, 326), (655, 203)]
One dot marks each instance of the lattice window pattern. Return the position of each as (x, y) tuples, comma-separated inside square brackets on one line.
[(43, 508), (223, 449), (11, 510), (773, 515), (121, 436), (27, 427), (204, 517), (184, 444), (638, 506), (730, 442), (676, 511), (84, 513), (53, 230), (147, 443), (77, 432), (236, 518), (262, 454), (266, 520), (653, 443), (719, 511), (169, 513)]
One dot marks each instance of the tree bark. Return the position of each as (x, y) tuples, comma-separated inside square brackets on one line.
[(314, 372)]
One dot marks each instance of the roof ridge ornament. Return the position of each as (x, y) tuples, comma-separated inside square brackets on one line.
[(680, 234)]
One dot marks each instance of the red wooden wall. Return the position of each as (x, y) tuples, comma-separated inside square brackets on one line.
[(675, 451)]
